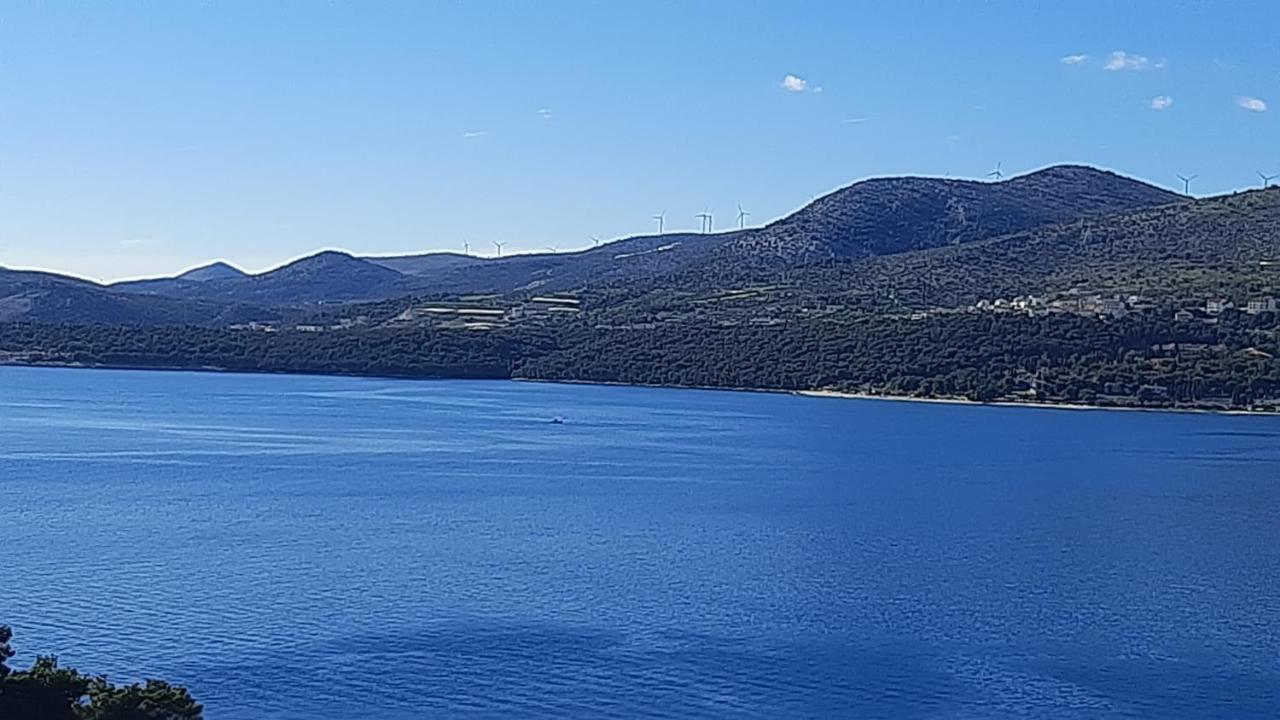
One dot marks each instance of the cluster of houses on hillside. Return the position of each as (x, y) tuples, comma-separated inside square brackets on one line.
[(1093, 305), (1117, 306)]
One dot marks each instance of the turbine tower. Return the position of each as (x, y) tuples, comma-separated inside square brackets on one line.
[(742, 217), (1186, 183), (705, 216), (466, 247), (998, 173), (1266, 179), (661, 218), (499, 246)]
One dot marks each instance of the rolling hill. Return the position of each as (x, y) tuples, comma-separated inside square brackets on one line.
[(217, 271), (326, 277), (48, 298), (878, 217), (882, 216)]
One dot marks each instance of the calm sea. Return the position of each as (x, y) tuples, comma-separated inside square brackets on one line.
[(334, 548)]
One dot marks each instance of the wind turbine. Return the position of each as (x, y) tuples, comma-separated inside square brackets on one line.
[(742, 217), (596, 239), (499, 246), (661, 218), (1186, 183), (466, 247), (554, 248), (705, 216), (998, 174), (1266, 179)]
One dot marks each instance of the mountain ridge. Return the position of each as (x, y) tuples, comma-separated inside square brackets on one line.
[(880, 216)]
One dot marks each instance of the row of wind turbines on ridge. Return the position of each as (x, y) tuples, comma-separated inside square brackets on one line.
[(998, 175), (707, 218)]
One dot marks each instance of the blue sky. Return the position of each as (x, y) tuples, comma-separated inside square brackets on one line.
[(143, 137)]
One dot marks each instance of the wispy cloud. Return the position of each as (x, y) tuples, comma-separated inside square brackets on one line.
[(795, 84), (475, 133), (137, 242), (544, 113), (1161, 102), (817, 90), (853, 121), (1121, 60), (1252, 104), (1073, 59)]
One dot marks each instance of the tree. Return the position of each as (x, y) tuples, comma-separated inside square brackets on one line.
[(153, 700), (6, 652), (47, 691)]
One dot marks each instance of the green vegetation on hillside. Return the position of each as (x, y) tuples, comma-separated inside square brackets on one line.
[(1141, 359), (903, 286)]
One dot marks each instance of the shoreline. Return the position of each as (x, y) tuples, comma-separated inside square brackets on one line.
[(840, 395), (826, 394)]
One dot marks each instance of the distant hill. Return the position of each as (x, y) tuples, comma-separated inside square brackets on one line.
[(328, 276), (883, 216), (1220, 245), (425, 264), (1194, 249), (48, 298), (213, 271), (175, 285), (872, 218)]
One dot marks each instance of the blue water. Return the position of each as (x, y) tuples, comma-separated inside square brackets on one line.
[(324, 548)]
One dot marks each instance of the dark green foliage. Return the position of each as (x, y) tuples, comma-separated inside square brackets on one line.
[(1140, 360), (47, 691), (410, 352), (6, 650), (972, 356)]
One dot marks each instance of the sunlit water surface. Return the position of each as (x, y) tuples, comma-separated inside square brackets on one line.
[(325, 548)]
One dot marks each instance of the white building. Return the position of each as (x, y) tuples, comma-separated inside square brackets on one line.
[(1260, 305), (1217, 306)]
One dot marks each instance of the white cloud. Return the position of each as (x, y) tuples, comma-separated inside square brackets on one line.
[(1161, 102), (544, 113), (1121, 60), (853, 121), (475, 134), (1073, 59), (817, 90), (795, 84), (137, 242), (1252, 104), (1161, 64)]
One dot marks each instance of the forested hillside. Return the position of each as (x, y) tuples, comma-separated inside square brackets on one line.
[(1067, 285)]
